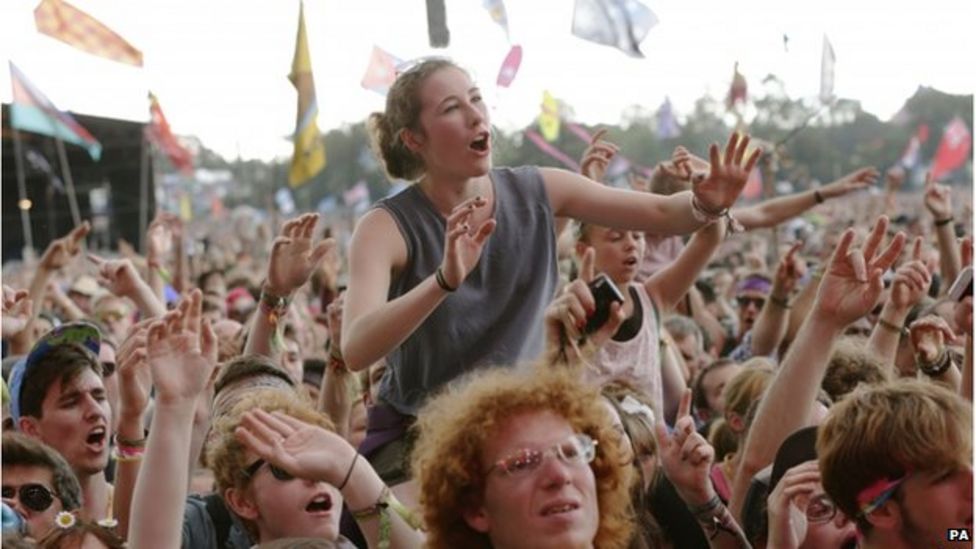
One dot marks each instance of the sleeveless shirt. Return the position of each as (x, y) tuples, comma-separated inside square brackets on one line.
[(496, 316)]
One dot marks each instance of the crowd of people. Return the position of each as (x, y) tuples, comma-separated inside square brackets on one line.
[(504, 357)]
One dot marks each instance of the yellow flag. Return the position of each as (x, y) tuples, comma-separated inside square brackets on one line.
[(309, 156), (549, 117)]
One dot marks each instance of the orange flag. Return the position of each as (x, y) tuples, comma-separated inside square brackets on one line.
[(64, 22)]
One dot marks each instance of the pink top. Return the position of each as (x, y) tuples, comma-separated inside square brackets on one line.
[(636, 361)]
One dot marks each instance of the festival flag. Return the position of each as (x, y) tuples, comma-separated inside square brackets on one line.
[(437, 32), (62, 21), (159, 134), (309, 156), (954, 149), (738, 90), (622, 24), (510, 67), (909, 159), (32, 111), (547, 148), (549, 117), (667, 125), (827, 72), (496, 8), (381, 72)]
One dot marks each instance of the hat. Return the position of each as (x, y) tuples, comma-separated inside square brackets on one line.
[(84, 285), (81, 332), (241, 294), (798, 448)]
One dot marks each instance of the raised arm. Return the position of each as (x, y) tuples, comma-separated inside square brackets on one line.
[(16, 311), (938, 202), (930, 336), (373, 326), (713, 193), (121, 278), (849, 290), (772, 322), (335, 393), (292, 261), (182, 354), (671, 283), (774, 211), (910, 285)]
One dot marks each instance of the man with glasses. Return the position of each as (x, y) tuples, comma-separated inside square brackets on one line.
[(898, 458), (37, 483), (750, 297)]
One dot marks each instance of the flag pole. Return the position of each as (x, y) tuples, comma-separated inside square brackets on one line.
[(22, 191), (143, 192), (69, 183)]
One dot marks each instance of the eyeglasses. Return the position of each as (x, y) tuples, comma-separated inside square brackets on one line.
[(35, 497), (277, 472), (745, 301), (821, 509), (576, 449)]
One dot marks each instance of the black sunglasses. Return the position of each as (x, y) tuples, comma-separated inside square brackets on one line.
[(35, 497), (277, 472), (744, 301)]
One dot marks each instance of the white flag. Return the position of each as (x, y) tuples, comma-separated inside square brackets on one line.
[(827, 72)]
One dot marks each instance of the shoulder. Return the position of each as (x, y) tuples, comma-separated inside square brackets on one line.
[(379, 232), (198, 526)]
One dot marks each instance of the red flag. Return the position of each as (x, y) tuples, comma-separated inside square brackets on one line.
[(381, 72), (953, 150), (510, 66), (738, 89), (159, 134)]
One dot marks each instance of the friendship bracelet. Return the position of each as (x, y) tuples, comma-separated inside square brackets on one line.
[(817, 196), (781, 302), (123, 457), (705, 510), (122, 441), (381, 508), (902, 331), (702, 214), (349, 472), (442, 282), (944, 222), (938, 366)]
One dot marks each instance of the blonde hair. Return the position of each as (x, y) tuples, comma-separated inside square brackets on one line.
[(402, 112), (852, 364), (747, 386), (455, 426), (886, 431)]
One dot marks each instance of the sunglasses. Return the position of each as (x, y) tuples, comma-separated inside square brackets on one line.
[(745, 301), (35, 497), (277, 472), (577, 449)]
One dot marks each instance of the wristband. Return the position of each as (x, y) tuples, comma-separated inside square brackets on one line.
[(705, 510), (900, 330), (349, 472), (442, 282), (122, 441), (944, 222), (273, 304), (937, 367), (817, 196), (781, 302), (702, 214)]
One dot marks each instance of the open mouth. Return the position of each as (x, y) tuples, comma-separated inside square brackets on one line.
[(630, 261), (559, 508), (850, 543), (321, 503), (97, 437), (481, 143)]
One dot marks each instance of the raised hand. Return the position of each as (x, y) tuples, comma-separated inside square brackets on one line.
[(929, 336), (727, 176), (135, 379), (854, 181), (597, 157), (686, 457), (894, 178), (852, 284), (938, 198), (159, 236), (181, 353), (912, 280), (568, 313), (61, 251), (786, 505), (118, 275), (16, 311), (789, 272), (306, 451), (462, 248), (293, 258)]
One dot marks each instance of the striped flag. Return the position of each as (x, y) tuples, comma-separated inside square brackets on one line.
[(309, 156), (62, 21), (159, 133), (32, 111)]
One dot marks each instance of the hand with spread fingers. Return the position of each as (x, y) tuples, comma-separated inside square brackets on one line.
[(854, 181), (938, 198), (135, 379), (597, 157), (293, 257), (912, 280), (16, 311), (852, 283), (567, 315), (686, 457), (182, 352), (462, 247), (61, 251), (786, 505), (718, 190), (304, 450)]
